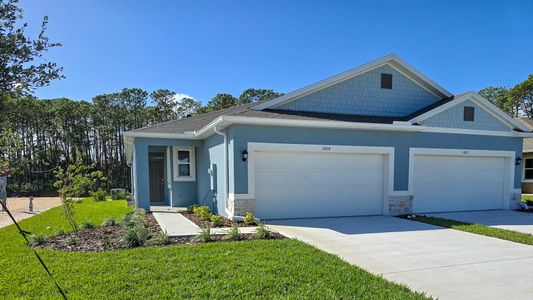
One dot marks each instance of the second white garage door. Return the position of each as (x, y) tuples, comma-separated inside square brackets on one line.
[(301, 185), (455, 183)]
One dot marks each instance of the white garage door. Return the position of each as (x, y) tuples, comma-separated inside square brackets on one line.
[(301, 185), (454, 183)]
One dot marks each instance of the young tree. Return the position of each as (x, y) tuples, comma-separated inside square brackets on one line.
[(19, 73)]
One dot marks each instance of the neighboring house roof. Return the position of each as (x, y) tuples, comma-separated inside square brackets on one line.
[(392, 59), (528, 142)]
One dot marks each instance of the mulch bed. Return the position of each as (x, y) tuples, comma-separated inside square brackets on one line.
[(92, 240), (225, 221)]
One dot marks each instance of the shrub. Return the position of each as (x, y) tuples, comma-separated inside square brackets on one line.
[(109, 222), (118, 194), (203, 213), (529, 202), (134, 218), (99, 195), (161, 238), (262, 232), (106, 240), (37, 239), (135, 236), (233, 234), (216, 220), (87, 224), (249, 219), (205, 235), (72, 241), (191, 208)]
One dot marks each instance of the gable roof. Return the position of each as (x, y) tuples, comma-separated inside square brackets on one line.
[(392, 59), (482, 102)]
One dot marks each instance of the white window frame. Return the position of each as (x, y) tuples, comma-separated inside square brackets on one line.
[(192, 164), (524, 179)]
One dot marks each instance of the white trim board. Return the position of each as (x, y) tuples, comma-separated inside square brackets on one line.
[(387, 152), (391, 59), (509, 157)]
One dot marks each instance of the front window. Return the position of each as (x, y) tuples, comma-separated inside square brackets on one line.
[(184, 168), (528, 169)]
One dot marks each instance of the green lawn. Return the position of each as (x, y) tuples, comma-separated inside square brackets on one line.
[(248, 269), (504, 234), (527, 197)]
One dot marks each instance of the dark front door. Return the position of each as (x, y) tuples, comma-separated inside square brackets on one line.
[(157, 177)]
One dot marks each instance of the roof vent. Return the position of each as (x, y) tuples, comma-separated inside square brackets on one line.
[(386, 81)]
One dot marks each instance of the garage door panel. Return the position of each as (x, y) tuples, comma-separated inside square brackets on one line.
[(299, 185), (456, 183)]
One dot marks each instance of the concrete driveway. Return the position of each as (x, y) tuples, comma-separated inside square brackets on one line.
[(506, 219), (443, 263)]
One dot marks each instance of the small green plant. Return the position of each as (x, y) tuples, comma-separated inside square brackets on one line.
[(109, 222), (72, 241), (216, 220), (234, 234), (106, 240), (118, 194), (134, 218), (204, 236), (190, 208), (61, 231), (87, 224), (262, 232), (135, 236), (37, 239), (159, 239), (203, 213), (249, 219), (99, 195)]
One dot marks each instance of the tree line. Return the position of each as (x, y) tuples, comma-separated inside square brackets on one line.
[(40, 136)]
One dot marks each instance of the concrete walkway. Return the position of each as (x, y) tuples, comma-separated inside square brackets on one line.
[(506, 219), (443, 263), (19, 208), (175, 224)]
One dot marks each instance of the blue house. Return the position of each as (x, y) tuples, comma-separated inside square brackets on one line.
[(380, 139)]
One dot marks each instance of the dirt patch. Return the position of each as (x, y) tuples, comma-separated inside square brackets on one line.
[(225, 221), (110, 238), (19, 207)]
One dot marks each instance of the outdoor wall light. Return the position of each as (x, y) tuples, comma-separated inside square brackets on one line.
[(244, 155), (518, 161)]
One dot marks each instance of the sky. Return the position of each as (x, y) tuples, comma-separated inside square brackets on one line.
[(201, 48)]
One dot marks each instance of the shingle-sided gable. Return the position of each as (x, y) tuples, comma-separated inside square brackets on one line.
[(454, 118), (363, 95)]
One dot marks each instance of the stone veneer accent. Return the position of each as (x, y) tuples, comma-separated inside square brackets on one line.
[(239, 207), (400, 205), (514, 200)]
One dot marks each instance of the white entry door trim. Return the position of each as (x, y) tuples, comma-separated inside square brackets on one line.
[(509, 165), (387, 152)]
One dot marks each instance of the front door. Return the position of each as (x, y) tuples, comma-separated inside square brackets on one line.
[(157, 177)]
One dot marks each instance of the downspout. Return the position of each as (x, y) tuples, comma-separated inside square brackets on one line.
[(226, 167)]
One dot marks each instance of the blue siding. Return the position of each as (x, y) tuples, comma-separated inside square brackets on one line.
[(363, 95), (211, 155), (183, 193), (401, 141), (453, 118)]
